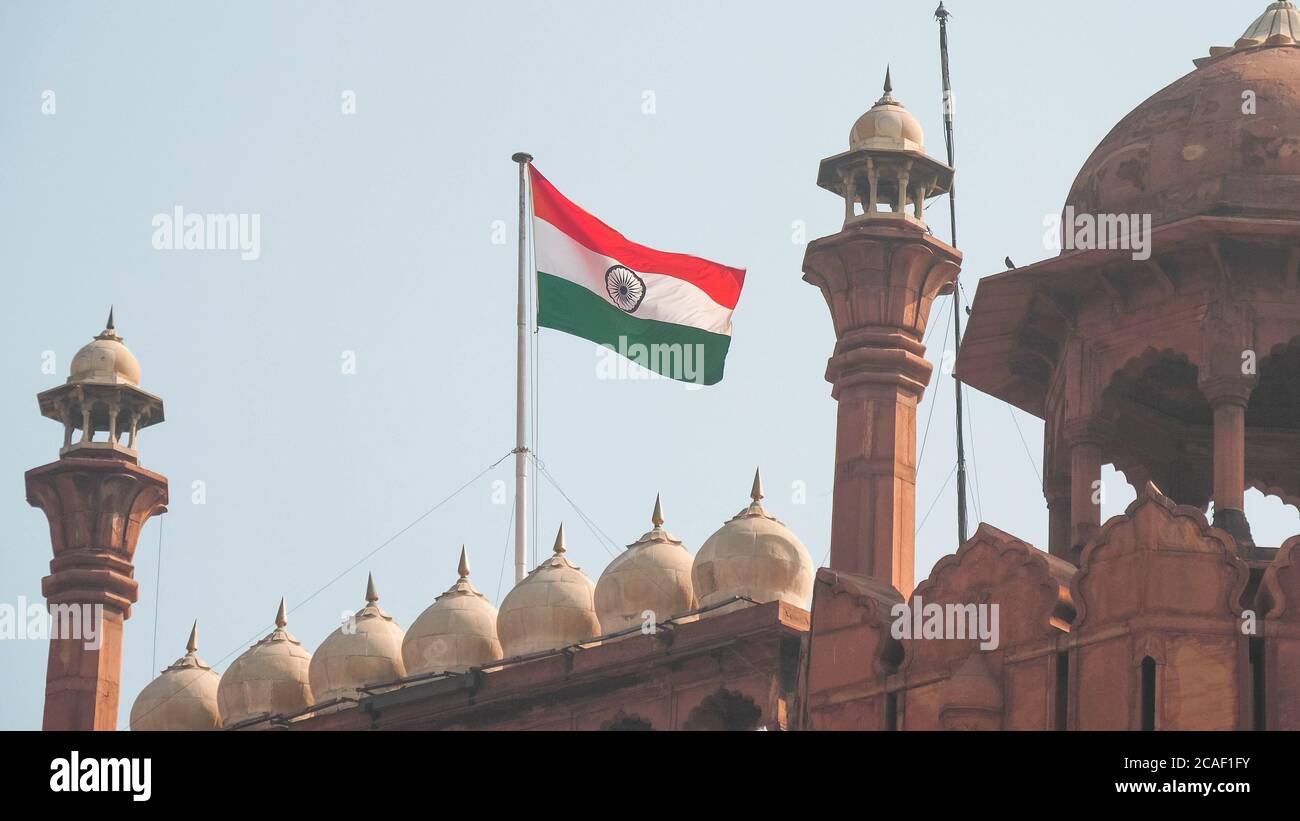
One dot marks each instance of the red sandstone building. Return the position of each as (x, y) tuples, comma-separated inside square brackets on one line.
[(1182, 369)]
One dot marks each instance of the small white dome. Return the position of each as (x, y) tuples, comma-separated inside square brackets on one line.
[(365, 650), (755, 556), (456, 633), (269, 678), (888, 125), (105, 360), (653, 575), (182, 697), (553, 607)]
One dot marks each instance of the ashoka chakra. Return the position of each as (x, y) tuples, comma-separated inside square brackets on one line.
[(625, 287)]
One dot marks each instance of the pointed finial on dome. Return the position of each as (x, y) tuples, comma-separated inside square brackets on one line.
[(559, 540), (371, 595), (888, 97), (657, 518), (281, 617), (192, 646), (755, 506), (109, 331), (463, 569)]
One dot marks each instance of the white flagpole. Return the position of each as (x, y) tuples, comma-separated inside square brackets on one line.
[(521, 407)]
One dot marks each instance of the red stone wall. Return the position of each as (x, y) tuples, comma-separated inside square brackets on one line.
[(1157, 581)]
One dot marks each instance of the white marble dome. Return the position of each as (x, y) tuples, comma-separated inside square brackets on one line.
[(363, 651), (105, 360), (754, 556), (653, 575), (269, 678), (887, 125), (182, 697), (456, 633), (553, 607)]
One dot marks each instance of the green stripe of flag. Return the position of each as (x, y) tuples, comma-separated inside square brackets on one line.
[(675, 351)]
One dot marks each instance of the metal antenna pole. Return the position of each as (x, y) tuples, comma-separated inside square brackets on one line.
[(941, 14)]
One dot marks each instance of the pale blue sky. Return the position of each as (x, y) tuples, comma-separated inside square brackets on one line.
[(377, 238)]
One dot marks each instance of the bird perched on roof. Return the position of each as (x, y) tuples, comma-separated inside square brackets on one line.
[(1011, 266)]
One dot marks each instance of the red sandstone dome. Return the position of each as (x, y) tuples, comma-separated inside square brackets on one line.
[(1191, 150)]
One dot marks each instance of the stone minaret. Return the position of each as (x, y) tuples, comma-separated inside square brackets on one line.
[(880, 275), (97, 498)]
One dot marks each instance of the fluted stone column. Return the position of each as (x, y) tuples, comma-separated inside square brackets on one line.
[(96, 508), (880, 275), (879, 281), (96, 498)]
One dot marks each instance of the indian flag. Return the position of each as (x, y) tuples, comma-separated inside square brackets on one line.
[(670, 313)]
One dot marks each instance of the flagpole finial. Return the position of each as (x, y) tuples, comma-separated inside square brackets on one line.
[(657, 518), (522, 157), (463, 569)]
